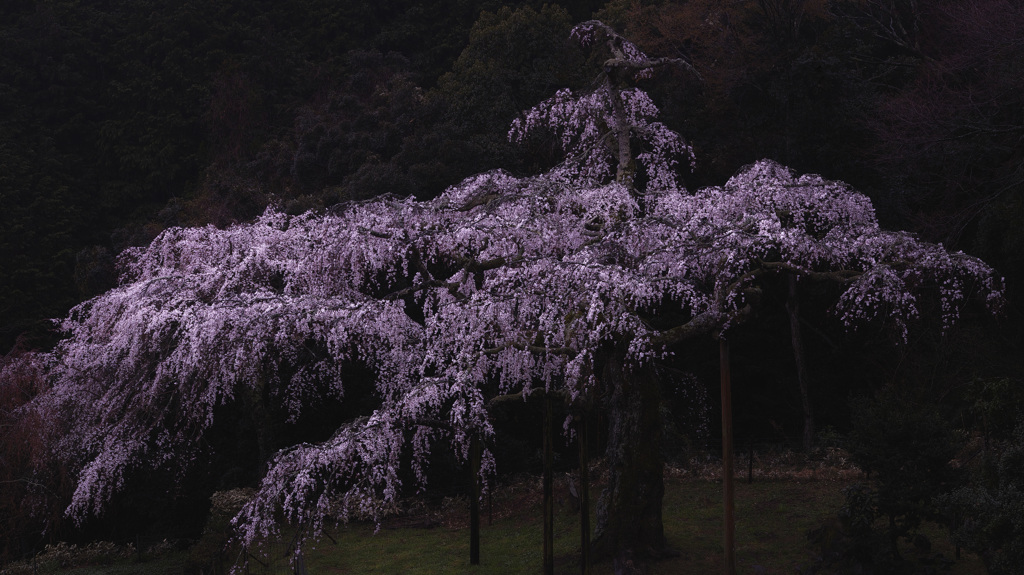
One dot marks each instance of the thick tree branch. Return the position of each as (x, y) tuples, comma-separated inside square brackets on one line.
[(520, 397), (707, 323), (837, 276), (623, 63), (539, 349), (432, 423)]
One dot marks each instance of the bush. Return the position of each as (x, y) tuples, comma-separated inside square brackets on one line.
[(905, 448), (989, 520), (68, 556), (996, 405)]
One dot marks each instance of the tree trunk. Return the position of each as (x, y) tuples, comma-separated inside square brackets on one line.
[(625, 171), (549, 506), (581, 437), (728, 474), (793, 308), (474, 500), (263, 423), (629, 525)]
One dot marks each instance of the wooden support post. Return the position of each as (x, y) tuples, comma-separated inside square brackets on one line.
[(750, 461), (474, 501), (581, 438), (549, 507), (729, 565), (802, 377)]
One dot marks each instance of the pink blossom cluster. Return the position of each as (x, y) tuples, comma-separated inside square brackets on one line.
[(593, 31), (587, 125)]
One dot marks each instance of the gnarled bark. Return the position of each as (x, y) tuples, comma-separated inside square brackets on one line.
[(629, 521)]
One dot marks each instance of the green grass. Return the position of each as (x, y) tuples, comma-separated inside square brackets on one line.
[(772, 519)]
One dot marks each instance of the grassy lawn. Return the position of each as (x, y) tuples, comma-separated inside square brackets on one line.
[(772, 519)]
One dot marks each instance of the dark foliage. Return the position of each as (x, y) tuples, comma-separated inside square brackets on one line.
[(905, 447), (988, 516), (118, 119)]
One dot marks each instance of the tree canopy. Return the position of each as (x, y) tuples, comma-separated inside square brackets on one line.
[(574, 281), (501, 285)]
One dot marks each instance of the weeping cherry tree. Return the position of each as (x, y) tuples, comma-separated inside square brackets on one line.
[(502, 285)]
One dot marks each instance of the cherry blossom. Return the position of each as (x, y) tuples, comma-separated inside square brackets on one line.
[(502, 285), (522, 281)]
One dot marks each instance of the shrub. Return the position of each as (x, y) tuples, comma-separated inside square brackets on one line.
[(905, 448), (996, 406), (989, 519)]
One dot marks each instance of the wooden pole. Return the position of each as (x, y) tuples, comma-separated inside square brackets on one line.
[(581, 437), (474, 501), (729, 565), (549, 507), (750, 461), (802, 377)]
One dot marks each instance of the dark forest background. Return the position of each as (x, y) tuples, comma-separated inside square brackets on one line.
[(121, 118), (118, 119)]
